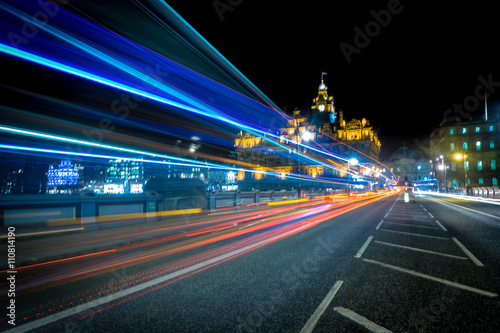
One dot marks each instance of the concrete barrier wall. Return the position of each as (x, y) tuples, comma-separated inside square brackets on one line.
[(485, 192), (42, 211)]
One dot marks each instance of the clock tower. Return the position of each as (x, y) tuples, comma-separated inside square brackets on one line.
[(323, 109)]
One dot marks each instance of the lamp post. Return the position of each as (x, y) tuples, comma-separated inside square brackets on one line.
[(443, 167), (459, 157), (306, 136), (353, 162)]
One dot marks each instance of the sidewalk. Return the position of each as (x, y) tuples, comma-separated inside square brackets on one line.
[(494, 201)]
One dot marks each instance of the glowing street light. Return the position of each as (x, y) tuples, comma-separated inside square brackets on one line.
[(353, 161), (459, 157), (306, 136)]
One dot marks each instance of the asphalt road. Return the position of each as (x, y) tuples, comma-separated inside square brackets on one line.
[(428, 265)]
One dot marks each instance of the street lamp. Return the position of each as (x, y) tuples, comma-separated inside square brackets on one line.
[(443, 167), (353, 162), (306, 136), (459, 157)]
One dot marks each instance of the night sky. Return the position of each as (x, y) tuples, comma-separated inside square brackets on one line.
[(424, 60)]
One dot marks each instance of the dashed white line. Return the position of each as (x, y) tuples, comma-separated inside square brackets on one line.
[(321, 308), (363, 321), (412, 234), (433, 278), (363, 248), (441, 226), (420, 250), (413, 225), (468, 253), (380, 223), (430, 215)]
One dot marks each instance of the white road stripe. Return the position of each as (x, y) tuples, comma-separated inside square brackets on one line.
[(441, 226), (378, 226), (109, 298), (433, 278), (430, 215), (309, 326), (468, 253), (413, 225), (469, 209), (413, 234), (363, 321), (363, 248), (420, 250)]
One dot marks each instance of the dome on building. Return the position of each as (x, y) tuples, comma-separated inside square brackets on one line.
[(404, 152)]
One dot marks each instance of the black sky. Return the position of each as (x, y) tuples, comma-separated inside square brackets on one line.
[(427, 58)]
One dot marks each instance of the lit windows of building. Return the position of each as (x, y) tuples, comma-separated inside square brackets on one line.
[(478, 145), (64, 176)]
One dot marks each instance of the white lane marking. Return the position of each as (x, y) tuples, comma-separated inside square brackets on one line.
[(470, 209), (413, 218), (386, 215), (468, 253), (309, 326), (251, 224), (461, 197), (363, 248), (363, 321), (378, 226), (430, 215), (110, 298), (441, 226), (420, 250), (433, 278), (413, 234), (413, 225)]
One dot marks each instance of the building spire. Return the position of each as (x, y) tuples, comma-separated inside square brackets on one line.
[(485, 106)]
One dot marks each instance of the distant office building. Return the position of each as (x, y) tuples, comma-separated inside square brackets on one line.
[(64, 178), (409, 167)]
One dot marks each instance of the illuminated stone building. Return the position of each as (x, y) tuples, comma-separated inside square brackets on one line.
[(353, 139), (479, 142)]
